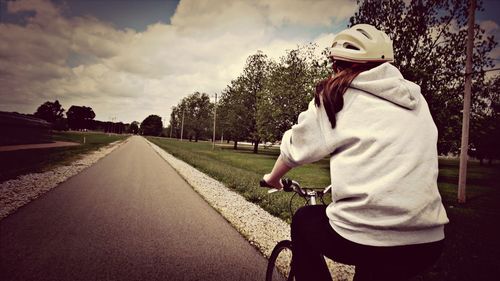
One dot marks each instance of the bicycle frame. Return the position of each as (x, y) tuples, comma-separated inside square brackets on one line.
[(311, 197)]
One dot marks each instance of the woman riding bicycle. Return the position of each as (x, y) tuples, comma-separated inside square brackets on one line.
[(386, 215)]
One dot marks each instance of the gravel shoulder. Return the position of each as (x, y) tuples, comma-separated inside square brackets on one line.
[(259, 227), (18, 192)]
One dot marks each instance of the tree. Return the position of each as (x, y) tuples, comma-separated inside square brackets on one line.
[(134, 128), (426, 34), (233, 110), (152, 126), (240, 101), (267, 98), (79, 117), (175, 121), (254, 75), (52, 112), (288, 88), (198, 116), (197, 111)]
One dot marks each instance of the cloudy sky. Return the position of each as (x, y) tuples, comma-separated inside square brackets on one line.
[(131, 58)]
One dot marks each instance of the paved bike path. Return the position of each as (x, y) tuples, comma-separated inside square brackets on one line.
[(128, 217)]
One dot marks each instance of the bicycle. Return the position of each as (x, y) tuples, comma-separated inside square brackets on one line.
[(284, 247)]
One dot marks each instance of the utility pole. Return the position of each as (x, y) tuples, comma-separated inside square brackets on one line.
[(462, 176), (182, 126), (163, 124), (215, 118)]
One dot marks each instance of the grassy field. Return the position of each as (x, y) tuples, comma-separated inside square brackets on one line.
[(15, 163), (472, 249)]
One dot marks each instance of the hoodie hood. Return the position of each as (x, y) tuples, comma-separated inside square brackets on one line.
[(385, 81)]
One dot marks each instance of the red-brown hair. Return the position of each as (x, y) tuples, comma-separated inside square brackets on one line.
[(331, 90)]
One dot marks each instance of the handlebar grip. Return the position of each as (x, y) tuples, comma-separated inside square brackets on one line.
[(264, 183), (287, 184)]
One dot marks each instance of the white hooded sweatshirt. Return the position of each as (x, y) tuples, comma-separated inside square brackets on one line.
[(383, 160)]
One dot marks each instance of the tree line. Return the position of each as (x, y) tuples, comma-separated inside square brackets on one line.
[(429, 45), (82, 118), (79, 118), (259, 105)]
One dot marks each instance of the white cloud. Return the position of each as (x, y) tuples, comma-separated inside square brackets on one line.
[(308, 12), (130, 74)]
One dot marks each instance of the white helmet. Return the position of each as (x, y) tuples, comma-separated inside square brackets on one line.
[(362, 43)]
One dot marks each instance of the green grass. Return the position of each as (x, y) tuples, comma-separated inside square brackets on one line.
[(472, 247), (19, 162)]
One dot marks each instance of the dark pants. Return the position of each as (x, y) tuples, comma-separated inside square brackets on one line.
[(313, 238)]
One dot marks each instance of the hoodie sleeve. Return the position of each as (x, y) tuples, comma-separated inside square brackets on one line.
[(305, 142)]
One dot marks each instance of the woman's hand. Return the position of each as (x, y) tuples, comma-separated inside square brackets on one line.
[(279, 170), (276, 183)]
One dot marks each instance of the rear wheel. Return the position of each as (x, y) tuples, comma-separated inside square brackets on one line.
[(280, 261)]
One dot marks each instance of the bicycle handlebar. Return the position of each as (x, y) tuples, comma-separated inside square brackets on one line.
[(289, 185)]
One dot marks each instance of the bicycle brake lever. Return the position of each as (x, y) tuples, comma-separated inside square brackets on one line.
[(287, 184)]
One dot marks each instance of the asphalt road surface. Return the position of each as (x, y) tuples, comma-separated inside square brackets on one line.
[(128, 217)]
